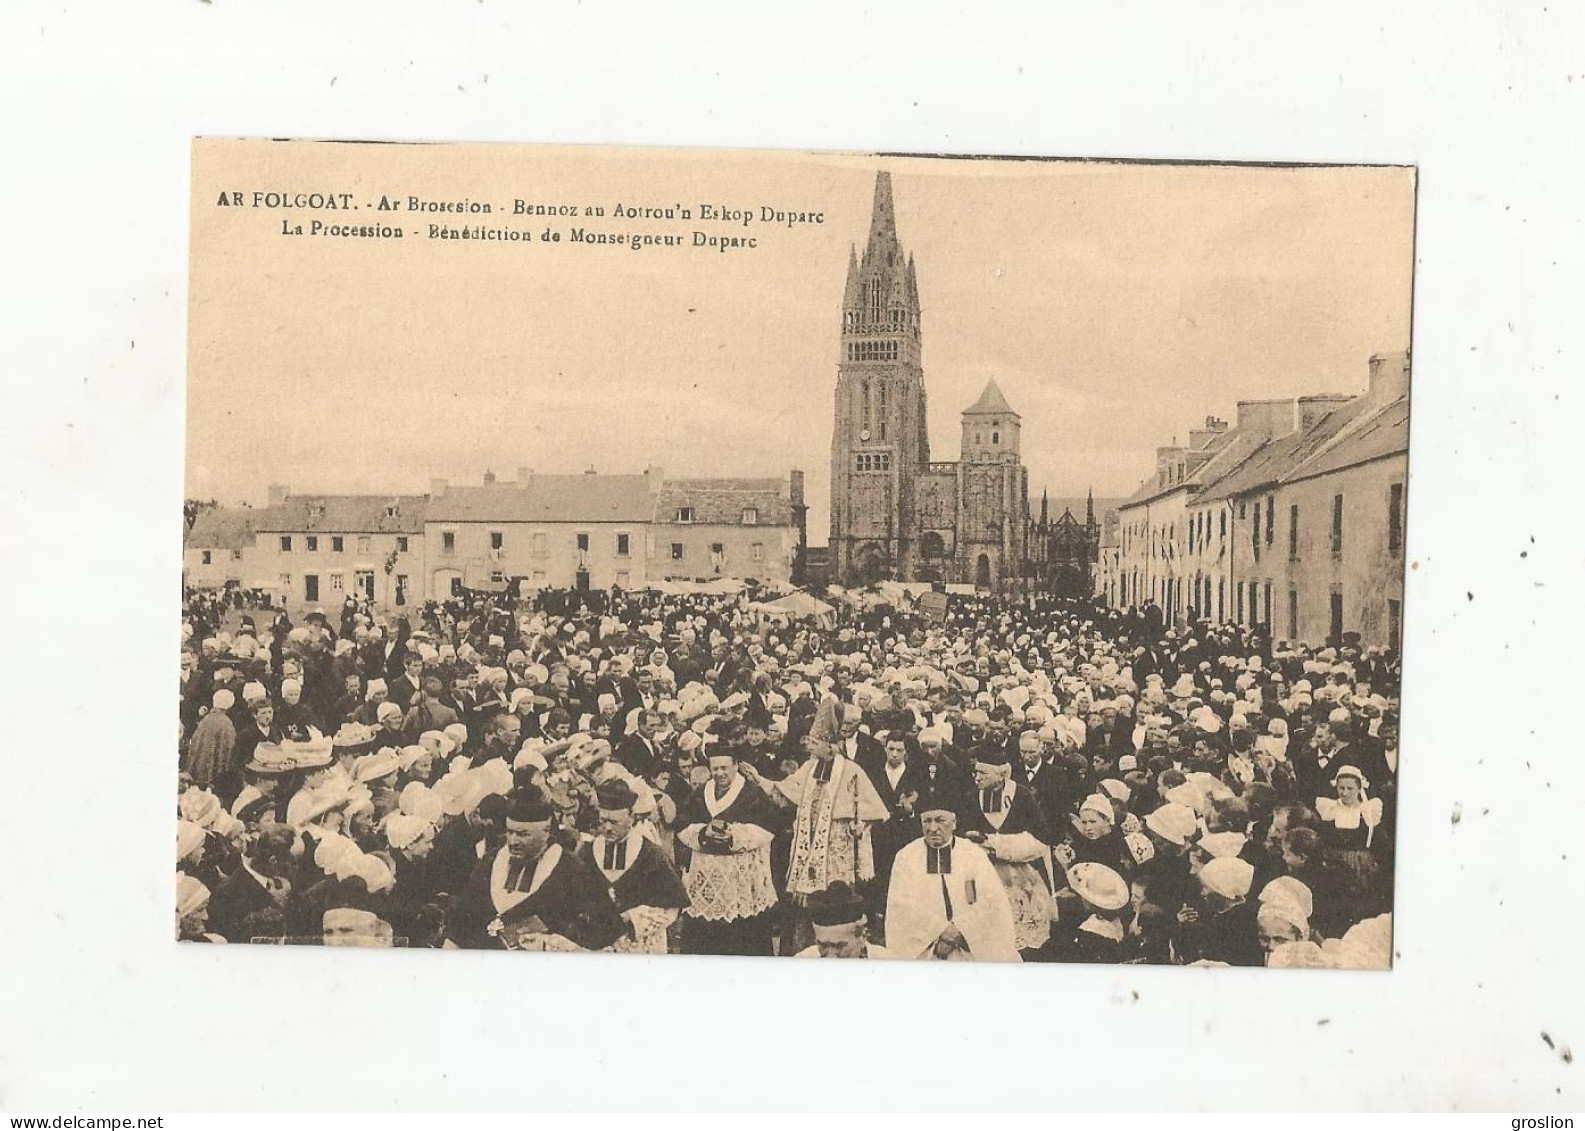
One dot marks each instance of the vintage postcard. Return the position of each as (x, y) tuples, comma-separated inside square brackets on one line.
[(793, 554)]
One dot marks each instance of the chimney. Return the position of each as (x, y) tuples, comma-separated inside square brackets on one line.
[(523, 476), (437, 488), (1266, 420), (1389, 377), (1199, 438), (1313, 408), (489, 477), (590, 470), (1167, 465), (795, 488), (653, 476), (278, 493)]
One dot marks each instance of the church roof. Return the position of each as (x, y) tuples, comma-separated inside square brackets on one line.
[(991, 403)]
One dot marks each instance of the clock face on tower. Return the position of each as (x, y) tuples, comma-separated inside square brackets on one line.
[(864, 435)]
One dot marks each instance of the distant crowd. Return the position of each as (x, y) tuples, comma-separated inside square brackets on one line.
[(1038, 779)]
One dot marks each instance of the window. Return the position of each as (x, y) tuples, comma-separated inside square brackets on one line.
[(456, 586), (1223, 531), (676, 551), (717, 548), (448, 541), (310, 587), (1266, 620), (497, 539), (365, 544), (209, 557), (1221, 593), (236, 555), (1254, 602), (1337, 526), (624, 547), (401, 543), (1337, 617), (684, 514), (884, 396), (1254, 533), (1395, 519), (750, 516), (337, 583), (497, 576), (1271, 520), (540, 549), (390, 511), (1241, 509), (756, 551), (996, 436), (338, 544), (401, 589), (875, 461), (286, 543), (1238, 600), (312, 542), (1293, 614), (1394, 621), (583, 540)]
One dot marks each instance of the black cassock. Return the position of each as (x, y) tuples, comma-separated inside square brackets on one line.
[(636, 874), (572, 902)]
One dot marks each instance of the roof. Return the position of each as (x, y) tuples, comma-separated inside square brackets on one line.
[(991, 403), (222, 528), (1383, 433), (1269, 462), (722, 501), (1228, 450), (548, 498), (352, 514)]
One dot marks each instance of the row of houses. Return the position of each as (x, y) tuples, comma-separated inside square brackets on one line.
[(1291, 518), (587, 531)]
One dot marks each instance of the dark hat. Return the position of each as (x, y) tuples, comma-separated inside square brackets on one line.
[(529, 806), (836, 905), (615, 794), (992, 756)]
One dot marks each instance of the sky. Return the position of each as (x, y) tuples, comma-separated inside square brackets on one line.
[(1116, 304)]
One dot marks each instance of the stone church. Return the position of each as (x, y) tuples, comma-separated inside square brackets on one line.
[(895, 513)]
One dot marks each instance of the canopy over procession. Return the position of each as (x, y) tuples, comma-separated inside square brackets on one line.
[(1037, 779)]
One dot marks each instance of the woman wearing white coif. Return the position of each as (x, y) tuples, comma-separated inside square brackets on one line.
[(1349, 820), (1348, 830)]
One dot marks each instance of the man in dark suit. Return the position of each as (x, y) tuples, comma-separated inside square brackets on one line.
[(901, 782), (261, 882), (404, 688), (1039, 774), (638, 752), (860, 747)]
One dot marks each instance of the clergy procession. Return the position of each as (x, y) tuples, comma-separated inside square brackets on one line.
[(1035, 779)]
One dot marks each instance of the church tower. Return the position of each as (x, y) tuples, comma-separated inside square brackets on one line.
[(993, 493), (879, 442)]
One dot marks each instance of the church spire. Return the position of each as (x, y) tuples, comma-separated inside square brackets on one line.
[(883, 221), (850, 296), (1045, 508), (1089, 508)]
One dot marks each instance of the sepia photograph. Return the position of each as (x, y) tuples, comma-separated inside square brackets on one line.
[(793, 554)]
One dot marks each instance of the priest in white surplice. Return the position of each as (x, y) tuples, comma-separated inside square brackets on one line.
[(946, 900)]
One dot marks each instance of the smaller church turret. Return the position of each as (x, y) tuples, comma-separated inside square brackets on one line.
[(990, 428)]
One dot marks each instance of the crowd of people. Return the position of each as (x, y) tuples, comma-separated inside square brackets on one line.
[(1035, 779)]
